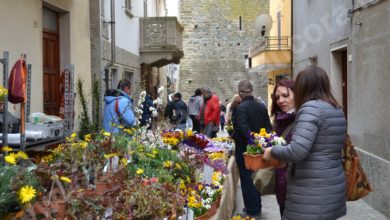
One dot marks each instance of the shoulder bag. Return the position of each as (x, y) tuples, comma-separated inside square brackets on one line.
[(357, 182)]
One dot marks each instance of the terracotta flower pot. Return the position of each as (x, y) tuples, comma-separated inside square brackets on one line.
[(218, 201), (102, 187), (212, 210), (203, 217), (255, 162), (55, 208)]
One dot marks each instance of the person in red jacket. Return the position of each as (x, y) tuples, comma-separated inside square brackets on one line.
[(210, 114)]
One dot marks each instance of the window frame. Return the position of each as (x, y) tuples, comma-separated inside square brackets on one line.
[(128, 8)]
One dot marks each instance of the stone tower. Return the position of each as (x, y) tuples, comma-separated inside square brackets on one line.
[(216, 38)]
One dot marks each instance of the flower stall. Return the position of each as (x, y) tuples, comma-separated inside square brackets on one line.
[(134, 174)]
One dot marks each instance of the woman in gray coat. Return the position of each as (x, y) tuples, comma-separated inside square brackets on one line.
[(316, 187)]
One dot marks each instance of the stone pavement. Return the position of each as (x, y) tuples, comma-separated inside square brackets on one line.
[(357, 210)]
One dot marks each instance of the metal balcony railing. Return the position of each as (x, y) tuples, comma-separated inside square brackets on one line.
[(271, 43)]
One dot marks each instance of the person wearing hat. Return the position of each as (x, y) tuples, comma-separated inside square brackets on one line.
[(249, 116)]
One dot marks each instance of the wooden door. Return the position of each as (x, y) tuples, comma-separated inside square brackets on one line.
[(50, 73), (51, 66)]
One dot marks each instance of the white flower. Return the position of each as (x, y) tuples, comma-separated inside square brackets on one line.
[(158, 102), (142, 94), (160, 90)]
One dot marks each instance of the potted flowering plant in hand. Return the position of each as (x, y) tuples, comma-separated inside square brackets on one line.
[(257, 142)]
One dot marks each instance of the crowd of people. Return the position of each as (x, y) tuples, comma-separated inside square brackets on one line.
[(311, 184)]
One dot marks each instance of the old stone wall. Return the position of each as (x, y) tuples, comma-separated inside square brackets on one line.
[(215, 47)]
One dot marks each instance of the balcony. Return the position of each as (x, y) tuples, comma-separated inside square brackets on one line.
[(271, 43), (161, 41), (271, 52)]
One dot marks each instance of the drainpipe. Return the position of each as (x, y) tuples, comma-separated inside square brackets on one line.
[(291, 40), (112, 61)]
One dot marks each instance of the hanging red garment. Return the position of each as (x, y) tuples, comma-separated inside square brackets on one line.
[(17, 82)]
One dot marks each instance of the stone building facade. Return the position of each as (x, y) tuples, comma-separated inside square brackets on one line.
[(216, 38)]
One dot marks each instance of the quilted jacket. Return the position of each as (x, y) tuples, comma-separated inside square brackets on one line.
[(316, 187)]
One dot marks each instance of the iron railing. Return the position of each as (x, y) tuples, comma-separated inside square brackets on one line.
[(272, 43)]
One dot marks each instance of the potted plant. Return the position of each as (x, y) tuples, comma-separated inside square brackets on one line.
[(257, 142), (18, 189)]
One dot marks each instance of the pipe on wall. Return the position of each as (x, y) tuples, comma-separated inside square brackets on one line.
[(113, 45), (112, 22)]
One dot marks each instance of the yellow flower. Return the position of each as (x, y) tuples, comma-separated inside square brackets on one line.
[(182, 184), (7, 149), (22, 155), (121, 127), (26, 194), (128, 131), (178, 166), (140, 171), (217, 178), (72, 137), (10, 158), (108, 156), (216, 156), (167, 163), (151, 155), (155, 152), (263, 132), (189, 133), (83, 144), (124, 161), (107, 134), (188, 179), (65, 179), (87, 137), (58, 150), (47, 158)]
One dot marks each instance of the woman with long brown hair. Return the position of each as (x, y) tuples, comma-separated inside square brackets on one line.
[(316, 179), (283, 113)]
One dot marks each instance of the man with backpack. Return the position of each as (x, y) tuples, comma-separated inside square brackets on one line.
[(118, 107), (177, 112)]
